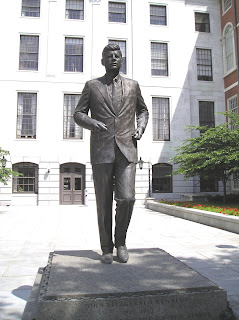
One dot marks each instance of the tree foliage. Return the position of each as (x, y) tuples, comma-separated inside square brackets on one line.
[(213, 153), (5, 173)]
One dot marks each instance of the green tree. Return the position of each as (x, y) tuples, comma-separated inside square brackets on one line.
[(212, 154), (5, 173)]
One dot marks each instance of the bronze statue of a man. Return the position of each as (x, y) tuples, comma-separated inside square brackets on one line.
[(115, 103)]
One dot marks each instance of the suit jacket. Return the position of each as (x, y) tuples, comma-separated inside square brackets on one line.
[(121, 127)]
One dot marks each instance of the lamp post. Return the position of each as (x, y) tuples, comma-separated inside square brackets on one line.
[(141, 164)]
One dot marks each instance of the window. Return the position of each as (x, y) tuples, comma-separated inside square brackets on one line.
[(161, 119), (71, 129), (202, 23), (208, 185), (75, 9), (162, 178), (235, 181), (159, 59), (206, 114), (122, 45), (74, 54), (30, 8), (117, 12), (228, 48), (26, 115), (29, 46), (232, 105), (226, 5), (28, 181), (158, 15), (204, 64)]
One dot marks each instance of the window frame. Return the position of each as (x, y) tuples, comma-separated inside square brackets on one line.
[(23, 61), (30, 16), (117, 2), (170, 178), (160, 60), (75, 19), (209, 24), (65, 55), (166, 14), (126, 60), (232, 109), (81, 131), (17, 186), (34, 116), (223, 7), (233, 52), (210, 104), (235, 181), (210, 78), (156, 121), (208, 183)]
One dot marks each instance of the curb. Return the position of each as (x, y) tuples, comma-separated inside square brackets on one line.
[(212, 219)]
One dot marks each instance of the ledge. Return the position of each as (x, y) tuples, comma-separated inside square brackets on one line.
[(212, 219)]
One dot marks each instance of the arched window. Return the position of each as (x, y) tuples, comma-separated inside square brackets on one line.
[(228, 48), (27, 181), (162, 178)]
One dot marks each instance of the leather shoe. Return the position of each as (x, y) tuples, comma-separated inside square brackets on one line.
[(107, 258), (122, 254)]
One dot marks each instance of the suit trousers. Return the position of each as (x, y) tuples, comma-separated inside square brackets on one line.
[(119, 175)]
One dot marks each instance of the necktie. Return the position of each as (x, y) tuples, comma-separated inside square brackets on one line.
[(116, 95)]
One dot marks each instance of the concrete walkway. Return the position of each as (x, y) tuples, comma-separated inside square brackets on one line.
[(28, 234)]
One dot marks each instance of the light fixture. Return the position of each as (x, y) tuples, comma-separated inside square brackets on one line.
[(141, 163), (4, 162)]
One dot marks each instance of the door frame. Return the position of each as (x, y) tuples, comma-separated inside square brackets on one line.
[(71, 170)]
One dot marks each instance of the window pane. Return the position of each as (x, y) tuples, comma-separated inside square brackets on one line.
[(26, 115), (74, 54), (161, 119), (162, 178), (77, 184), (204, 64), (158, 15), (71, 129), (232, 105), (159, 59), (31, 8), (208, 185), (226, 5), (229, 48), (75, 9), (202, 22), (28, 181), (122, 45), (29, 46), (206, 114), (117, 12)]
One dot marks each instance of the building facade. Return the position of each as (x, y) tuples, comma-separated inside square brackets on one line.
[(173, 48), (230, 45)]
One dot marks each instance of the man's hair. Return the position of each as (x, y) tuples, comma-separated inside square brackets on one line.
[(111, 47)]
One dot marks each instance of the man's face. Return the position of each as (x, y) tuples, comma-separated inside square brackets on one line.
[(112, 60)]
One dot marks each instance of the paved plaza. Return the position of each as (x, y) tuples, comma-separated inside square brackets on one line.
[(28, 234)]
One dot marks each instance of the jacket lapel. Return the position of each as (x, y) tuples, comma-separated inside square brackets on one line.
[(104, 92), (126, 91)]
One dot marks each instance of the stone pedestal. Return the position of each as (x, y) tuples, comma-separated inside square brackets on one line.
[(151, 286)]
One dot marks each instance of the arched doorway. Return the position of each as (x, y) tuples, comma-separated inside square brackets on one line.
[(72, 183)]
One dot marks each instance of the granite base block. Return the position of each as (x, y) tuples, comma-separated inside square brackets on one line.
[(152, 286)]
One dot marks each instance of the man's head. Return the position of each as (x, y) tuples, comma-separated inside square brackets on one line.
[(112, 58)]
